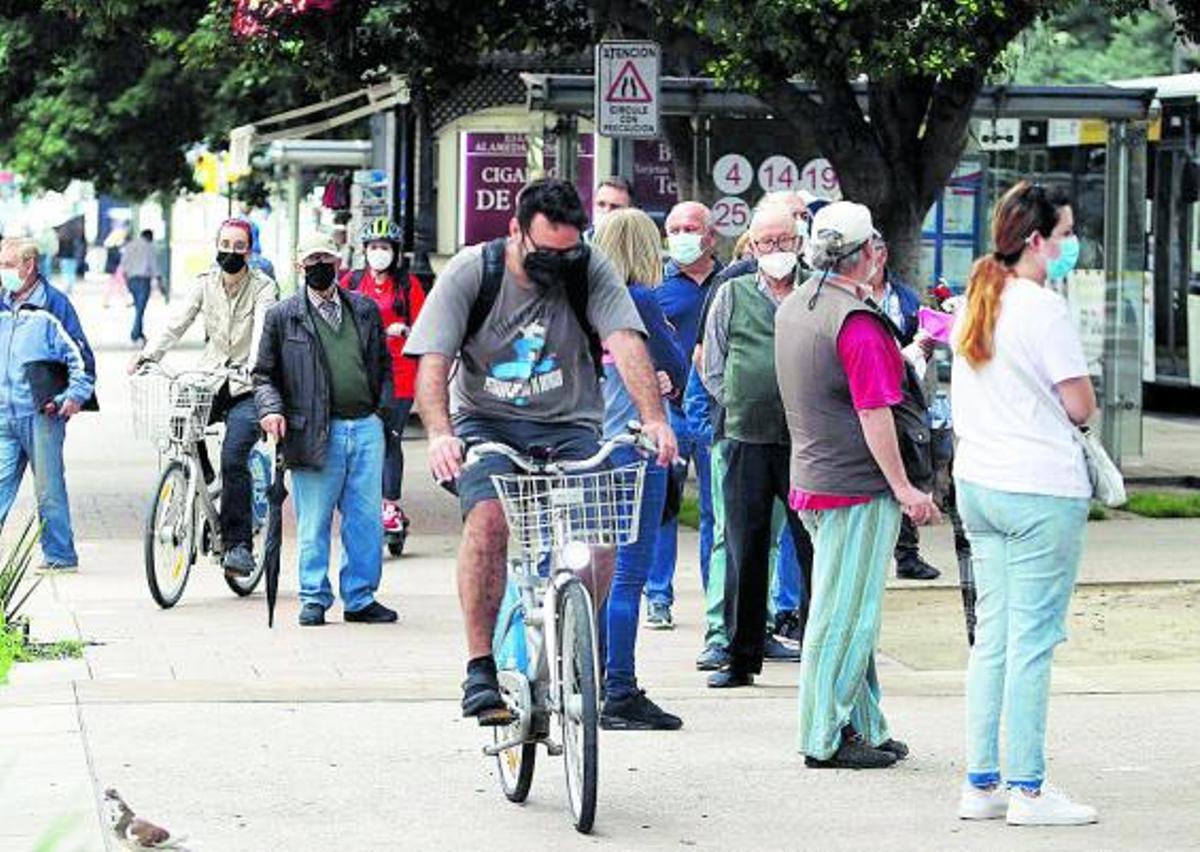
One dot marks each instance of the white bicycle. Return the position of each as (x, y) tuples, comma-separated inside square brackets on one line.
[(183, 520), (557, 512)]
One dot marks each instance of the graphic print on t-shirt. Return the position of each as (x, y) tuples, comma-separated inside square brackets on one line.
[(531, 371)]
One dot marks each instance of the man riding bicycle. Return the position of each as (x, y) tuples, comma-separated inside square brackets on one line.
[(524, 317), (234, 298)]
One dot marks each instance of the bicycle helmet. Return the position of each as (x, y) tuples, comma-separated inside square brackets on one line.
[(381, 228)]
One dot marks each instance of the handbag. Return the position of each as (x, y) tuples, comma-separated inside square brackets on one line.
[(1108, 486)]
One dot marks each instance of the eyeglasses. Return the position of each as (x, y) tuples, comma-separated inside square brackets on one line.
[(776, 243)]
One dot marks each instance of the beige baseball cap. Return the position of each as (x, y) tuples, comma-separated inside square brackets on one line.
[(315, 243)]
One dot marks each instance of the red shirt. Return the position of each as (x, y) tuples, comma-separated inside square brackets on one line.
[(875, 371), (380, 291)]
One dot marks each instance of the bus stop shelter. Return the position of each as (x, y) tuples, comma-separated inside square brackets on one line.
[(1090, 139)]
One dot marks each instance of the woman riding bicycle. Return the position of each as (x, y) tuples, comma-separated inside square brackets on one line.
[(234, 298), (387, 282)]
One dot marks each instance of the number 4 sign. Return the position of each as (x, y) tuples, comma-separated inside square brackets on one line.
[(733, 174)]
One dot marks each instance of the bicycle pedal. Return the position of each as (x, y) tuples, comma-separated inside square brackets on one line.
[(497, 717)]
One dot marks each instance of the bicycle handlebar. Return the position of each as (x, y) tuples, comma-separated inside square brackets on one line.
[(633, 438), (150, 367)]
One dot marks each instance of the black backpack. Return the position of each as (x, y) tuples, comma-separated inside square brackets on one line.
[(401, 305), (489, 291)]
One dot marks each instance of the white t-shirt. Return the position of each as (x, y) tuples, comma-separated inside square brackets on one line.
[(1008, 438)]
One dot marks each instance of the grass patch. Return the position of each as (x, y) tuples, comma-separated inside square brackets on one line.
[(1164, 504), (64, 649), (1098, 512), (689, 511)]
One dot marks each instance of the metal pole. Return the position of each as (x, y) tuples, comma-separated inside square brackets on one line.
[(425, 231)]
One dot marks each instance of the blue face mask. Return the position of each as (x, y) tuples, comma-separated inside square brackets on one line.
[(10, 280), (1068, 255)]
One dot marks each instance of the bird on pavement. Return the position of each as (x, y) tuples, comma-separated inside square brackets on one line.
[(132, 830)]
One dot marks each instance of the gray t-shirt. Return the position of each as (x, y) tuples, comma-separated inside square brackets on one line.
[(529, 359)]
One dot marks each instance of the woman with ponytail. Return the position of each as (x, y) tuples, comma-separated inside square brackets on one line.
[(1023, 493)]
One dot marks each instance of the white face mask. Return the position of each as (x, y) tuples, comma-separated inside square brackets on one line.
[(778, 264), (684, 247), (380, 259)]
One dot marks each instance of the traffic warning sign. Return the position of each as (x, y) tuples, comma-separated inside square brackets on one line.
[(627, 96)]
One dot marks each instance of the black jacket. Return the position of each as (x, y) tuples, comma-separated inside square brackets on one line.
[(291, 375)]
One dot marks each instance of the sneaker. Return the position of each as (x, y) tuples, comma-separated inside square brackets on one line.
[(788, 624), (728, 678), (895, 747), (979, 803), (481, 696), (52, 567), (1049, 806), (781, 650), (636, 712), (658, 617), (393, 518), (916, 568), (372, 613), (312, 615), (238, 561), (712, 658), (853, 754)]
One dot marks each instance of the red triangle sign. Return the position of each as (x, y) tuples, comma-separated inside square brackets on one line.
[(628, 87)]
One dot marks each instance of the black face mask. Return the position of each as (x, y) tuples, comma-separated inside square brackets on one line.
[(231, 262), (320, 276), (549, 269)]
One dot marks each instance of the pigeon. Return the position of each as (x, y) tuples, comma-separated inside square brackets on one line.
[(132, 830)]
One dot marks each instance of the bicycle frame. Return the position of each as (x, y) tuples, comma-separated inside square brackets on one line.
[(541, 636)]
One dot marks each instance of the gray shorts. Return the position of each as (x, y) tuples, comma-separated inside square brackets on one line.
[(567, 441)]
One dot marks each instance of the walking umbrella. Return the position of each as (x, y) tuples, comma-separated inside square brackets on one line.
[(276, 494)]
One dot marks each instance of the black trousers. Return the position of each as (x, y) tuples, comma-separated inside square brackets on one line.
[(756, 477)]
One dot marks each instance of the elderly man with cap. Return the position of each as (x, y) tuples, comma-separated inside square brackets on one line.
[(738, 369), (848, 397), (322, 378)]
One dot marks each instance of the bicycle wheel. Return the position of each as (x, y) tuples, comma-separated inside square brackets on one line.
[(261, 470), (580, 710), (169, 537), (514, 766)]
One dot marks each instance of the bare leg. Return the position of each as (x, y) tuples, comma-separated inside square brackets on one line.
[(481, 574), (598, 578)]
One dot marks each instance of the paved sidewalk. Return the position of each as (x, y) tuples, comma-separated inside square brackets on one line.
[(349, 737)]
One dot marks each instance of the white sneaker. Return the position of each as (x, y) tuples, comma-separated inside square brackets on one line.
[(977, 803), (1052, 807)]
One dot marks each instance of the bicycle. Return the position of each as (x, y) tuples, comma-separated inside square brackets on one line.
[(172, 410), (546, 635)]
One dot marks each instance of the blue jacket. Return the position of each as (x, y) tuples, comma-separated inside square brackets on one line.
[(33, 333), (909, 303), (664, 352)]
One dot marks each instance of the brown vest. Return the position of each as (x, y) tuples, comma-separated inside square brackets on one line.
[(829, 452)]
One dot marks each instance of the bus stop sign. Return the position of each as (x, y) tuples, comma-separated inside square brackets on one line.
[(627, 95)]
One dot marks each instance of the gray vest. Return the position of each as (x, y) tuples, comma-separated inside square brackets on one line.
[(829, 452)]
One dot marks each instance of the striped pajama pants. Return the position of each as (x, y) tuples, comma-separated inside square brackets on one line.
[(853, 548)]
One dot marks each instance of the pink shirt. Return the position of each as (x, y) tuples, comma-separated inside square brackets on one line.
[(875, 371)]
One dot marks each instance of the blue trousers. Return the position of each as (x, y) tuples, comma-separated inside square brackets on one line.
[(351, 482), (139, 288), (695, 450), (1025, 550), (37, 441), (629, 578)]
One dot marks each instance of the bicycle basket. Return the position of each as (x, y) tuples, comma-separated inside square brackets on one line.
[(170, 410), (544, 512)]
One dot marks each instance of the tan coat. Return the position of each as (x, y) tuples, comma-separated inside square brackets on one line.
[(232, 324)]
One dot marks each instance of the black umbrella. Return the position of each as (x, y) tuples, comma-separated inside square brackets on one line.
[(276, 494)]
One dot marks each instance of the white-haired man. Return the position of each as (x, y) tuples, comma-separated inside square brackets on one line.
[(738, 369)]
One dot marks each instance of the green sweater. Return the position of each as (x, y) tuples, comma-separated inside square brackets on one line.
[(753, 409), (349, 392)]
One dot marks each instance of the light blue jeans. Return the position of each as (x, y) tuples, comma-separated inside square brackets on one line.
[(1025, 550), (351, 482), (37, 441)]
